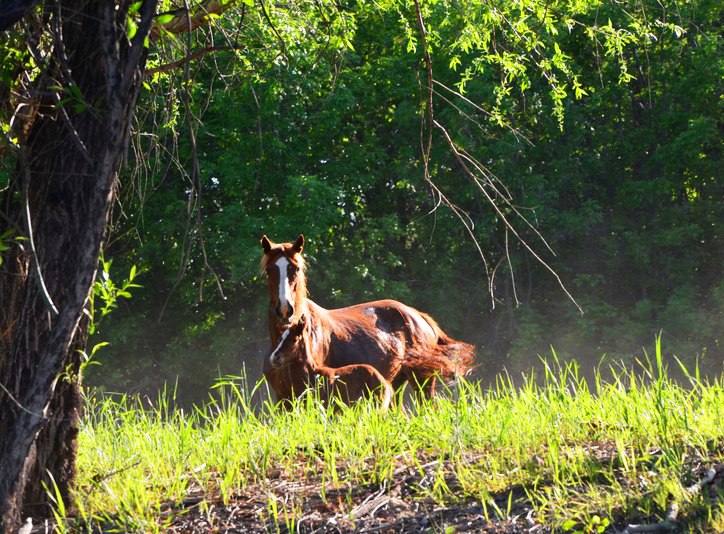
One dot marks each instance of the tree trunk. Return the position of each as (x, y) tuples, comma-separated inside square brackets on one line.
[(60, 201)]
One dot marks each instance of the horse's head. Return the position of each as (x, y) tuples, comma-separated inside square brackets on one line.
[(283, 264), (291, 347)]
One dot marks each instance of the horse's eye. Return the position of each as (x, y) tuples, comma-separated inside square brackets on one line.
[(291, 270)]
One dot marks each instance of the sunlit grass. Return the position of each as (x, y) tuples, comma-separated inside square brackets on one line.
[(578, 454)]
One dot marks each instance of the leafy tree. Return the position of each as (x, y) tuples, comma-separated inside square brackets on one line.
[(70, 81)]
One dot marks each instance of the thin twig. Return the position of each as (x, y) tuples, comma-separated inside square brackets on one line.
[(63, 62), (426, 146), (195, 190), (19, 405), (506, 197), (510, 266), (98, 479), (458, 94), (31, 241), (282, 44)]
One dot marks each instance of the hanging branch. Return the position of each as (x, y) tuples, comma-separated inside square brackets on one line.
[(492, 188), (193, 205)]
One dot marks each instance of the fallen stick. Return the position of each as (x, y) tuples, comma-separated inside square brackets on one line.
[(672, 513)]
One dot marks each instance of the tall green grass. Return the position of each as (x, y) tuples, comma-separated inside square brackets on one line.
[(583, 456)]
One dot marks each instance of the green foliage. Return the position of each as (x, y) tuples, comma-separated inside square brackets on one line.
[(8, 239), (103, 300), (107, 293)]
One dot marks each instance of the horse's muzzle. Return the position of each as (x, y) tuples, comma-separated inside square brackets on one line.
[(275, 361), (284, 318)]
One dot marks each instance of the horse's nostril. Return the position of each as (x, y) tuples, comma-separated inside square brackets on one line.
[(284, 314)]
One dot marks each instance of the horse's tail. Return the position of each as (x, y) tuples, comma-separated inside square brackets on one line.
[(448, 361), (461, 355)]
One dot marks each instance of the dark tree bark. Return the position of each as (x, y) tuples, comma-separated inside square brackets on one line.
[(60, 201), (13, 11)]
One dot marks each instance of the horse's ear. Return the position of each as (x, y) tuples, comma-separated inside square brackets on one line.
[(266, 244), (298, 328), (298, 245)]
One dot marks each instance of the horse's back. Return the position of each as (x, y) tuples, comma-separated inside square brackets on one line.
[(387, 316)]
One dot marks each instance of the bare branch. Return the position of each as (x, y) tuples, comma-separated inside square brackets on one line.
[(282, 44), (190, 57), (68, 79), (465, 99), (669, 523), (137, 46), (426, 146), (501, 215), (19, 405)]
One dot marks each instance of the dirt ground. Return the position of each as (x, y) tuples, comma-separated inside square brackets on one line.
[(405, 505), (402, 507)]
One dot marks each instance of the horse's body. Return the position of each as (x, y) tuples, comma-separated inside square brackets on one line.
[(382, 334), (349, 383)]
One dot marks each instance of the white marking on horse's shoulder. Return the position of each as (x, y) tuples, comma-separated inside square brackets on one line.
[(369, 311)]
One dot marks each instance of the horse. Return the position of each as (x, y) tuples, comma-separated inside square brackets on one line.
[(348, 384), (400, 342)]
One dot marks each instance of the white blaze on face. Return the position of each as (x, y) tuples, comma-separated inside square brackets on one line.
[(274, 356), (285, 290)]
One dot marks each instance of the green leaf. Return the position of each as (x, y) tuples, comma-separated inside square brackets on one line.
[(164, 19), (135, 7), (131, 28), (98, 346)]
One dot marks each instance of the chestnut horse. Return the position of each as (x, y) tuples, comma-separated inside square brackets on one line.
[(348, 384), (402, 343)]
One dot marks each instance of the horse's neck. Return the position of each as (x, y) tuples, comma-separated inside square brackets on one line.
[(318, 332), (301, 355), (275, 331)]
